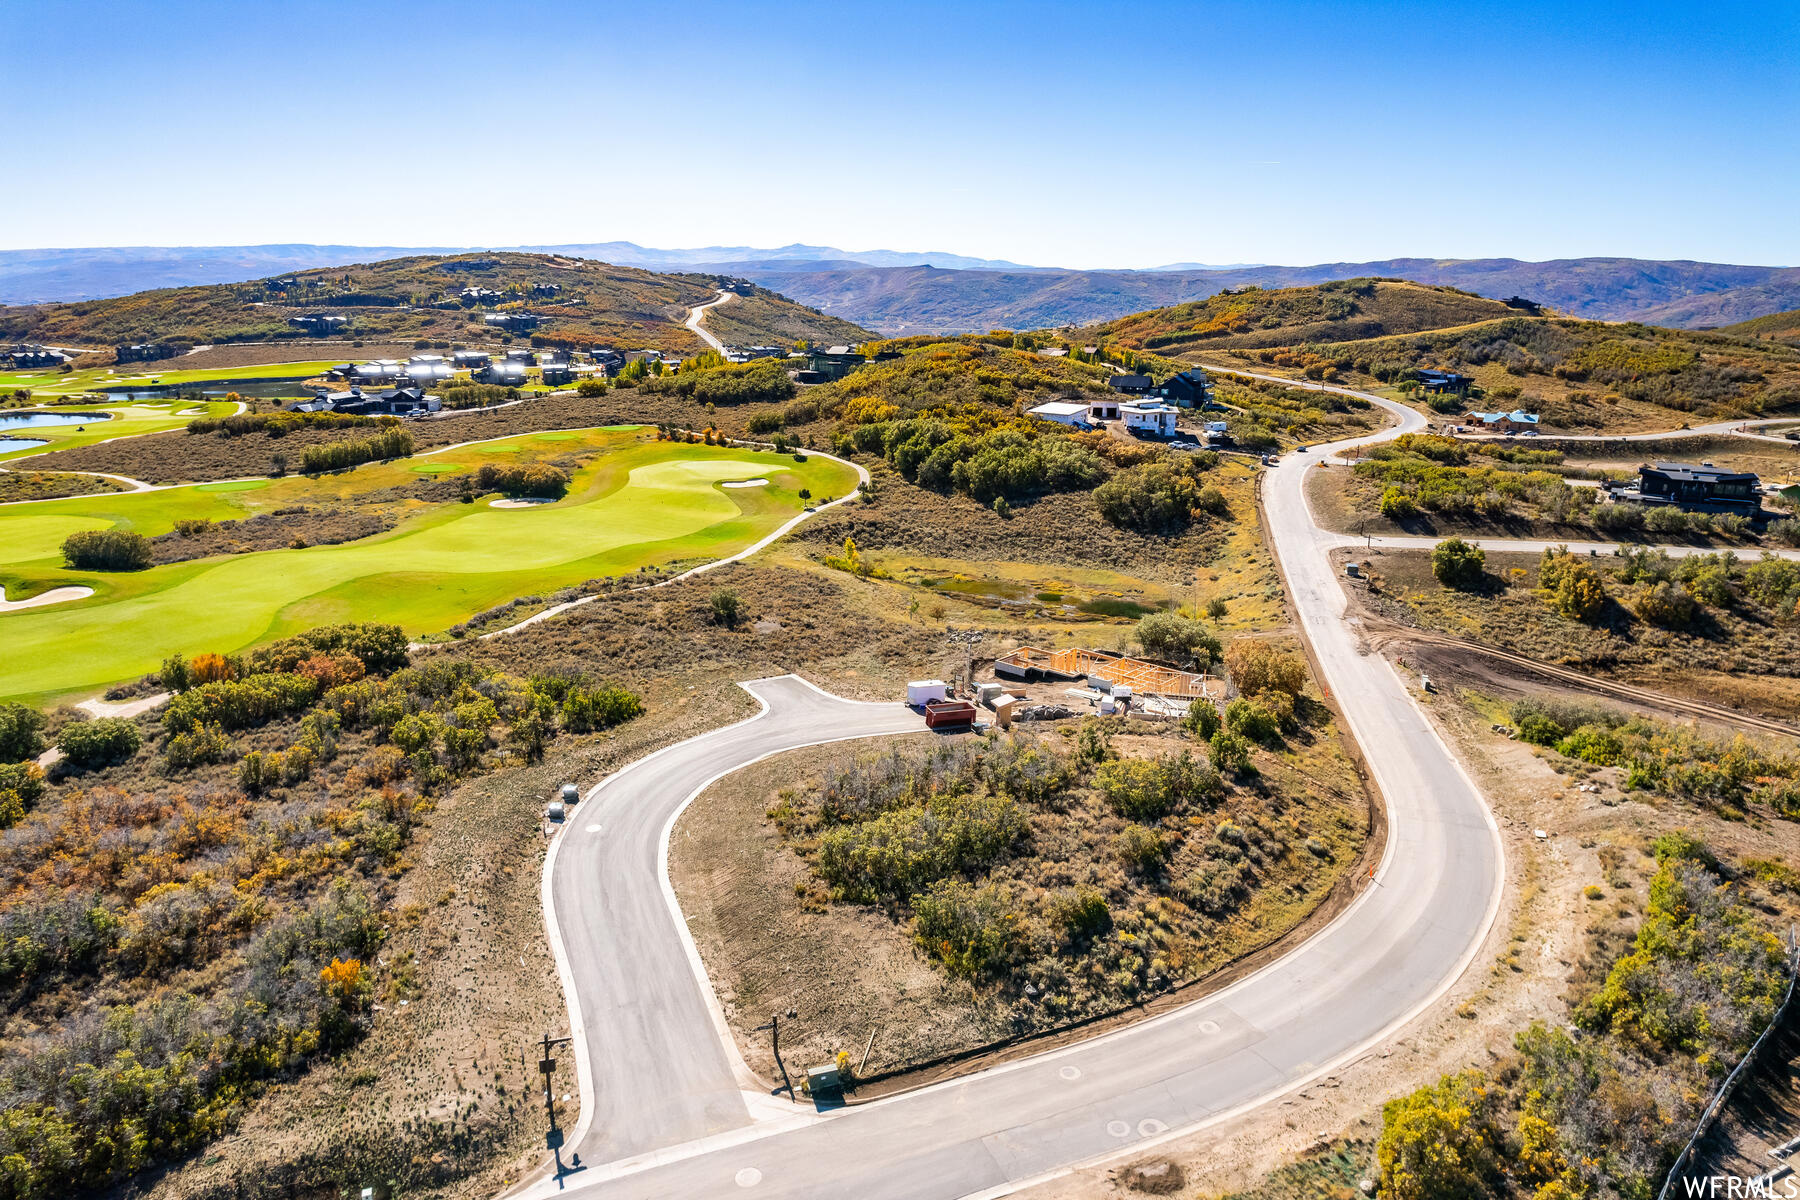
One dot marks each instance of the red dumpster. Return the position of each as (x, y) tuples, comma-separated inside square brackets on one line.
[(940, 714)]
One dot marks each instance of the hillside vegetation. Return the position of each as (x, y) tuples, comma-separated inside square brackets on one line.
[(1578, 375), (578, 302), (1776, 327), (1348, 310)]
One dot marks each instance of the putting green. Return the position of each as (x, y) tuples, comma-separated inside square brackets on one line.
[(632, 503), (234, 485)]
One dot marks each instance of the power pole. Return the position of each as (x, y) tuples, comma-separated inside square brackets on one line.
[(968, 639)]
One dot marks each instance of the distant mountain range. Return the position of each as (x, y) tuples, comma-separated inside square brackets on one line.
[(46, 276), (898, 292), (914, 300)]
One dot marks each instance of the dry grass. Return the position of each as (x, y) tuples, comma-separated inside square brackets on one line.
[(773, 940), (1735, 658)]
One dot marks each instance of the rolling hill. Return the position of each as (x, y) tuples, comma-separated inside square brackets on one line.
[(1340, 311), (912, 300), (576, 301), (1776, 327), (1579, 375)]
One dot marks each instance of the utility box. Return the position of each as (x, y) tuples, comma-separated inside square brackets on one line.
[(1352, 570), (570, 794), (985, 693), (824, 1079), (922, 691)]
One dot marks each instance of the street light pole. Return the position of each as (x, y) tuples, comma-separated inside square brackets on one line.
[(547, 1066)]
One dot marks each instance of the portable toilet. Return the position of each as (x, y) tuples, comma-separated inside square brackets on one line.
[(1003, 710)]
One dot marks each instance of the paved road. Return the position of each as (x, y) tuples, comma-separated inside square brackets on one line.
[(652, 1055), (668, 1121), (1539, 545), (697, 318)]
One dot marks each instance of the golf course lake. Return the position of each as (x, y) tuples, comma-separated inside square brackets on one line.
[(632, 501), (14, 422), (36, 419)]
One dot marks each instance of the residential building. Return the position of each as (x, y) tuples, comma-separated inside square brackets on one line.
[(1148, 418), (834, 362), (469, 360), (507, 372), (36, 356), (1186, 389), (424, 370), (609, 361), (1438, 383), (145, 352), (1516, 421), (1130, 385), (319, 322), (1103, 409), (1699, 485), (524, 357), (1063, 412), (558, 374), (511, 320)]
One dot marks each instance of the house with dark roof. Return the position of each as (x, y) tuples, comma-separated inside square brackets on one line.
[(834, 362), (511, 320), (469, 360), (145, 352), (558, 374), (1697, 485), (1438, 383), (1130, 385), (36, 356), (1186, 389), (609, 361), (319, 322)]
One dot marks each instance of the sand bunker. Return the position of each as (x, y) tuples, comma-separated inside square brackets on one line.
[(745, 483), (53, 596), (522, 502)]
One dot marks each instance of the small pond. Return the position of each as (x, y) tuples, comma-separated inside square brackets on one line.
[(12, 422), (8, 445)]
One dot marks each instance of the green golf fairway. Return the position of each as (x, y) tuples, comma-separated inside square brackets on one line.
[(630, 503)]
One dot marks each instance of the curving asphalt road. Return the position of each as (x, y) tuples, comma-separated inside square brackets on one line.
[(697, 319), (669, 1115)]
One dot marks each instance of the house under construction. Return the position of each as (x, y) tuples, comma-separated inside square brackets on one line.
[(1143, 678)]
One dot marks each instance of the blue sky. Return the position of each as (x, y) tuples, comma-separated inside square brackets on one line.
[(1060, 134)]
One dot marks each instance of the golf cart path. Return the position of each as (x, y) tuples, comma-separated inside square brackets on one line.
[(665, 1110)]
